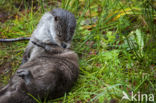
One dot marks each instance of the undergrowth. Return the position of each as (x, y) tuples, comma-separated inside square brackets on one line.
[(115, 41)]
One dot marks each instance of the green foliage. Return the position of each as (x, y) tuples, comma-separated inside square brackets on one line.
[(115, 41)]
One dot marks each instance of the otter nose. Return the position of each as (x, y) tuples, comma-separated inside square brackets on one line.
[(63, 45)]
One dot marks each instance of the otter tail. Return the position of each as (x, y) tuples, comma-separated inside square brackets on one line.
[(14, 39)]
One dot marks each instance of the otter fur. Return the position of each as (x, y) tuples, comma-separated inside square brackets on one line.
[(49, 74), (55, 27)]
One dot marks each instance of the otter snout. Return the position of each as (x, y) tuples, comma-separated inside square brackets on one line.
[(63, 45)]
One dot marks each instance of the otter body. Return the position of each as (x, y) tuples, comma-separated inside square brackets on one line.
[(49, 74), (55, 27)]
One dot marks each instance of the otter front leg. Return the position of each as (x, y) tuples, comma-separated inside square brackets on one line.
[(45, 46), (50, 48), (27, 53), (26, 75)]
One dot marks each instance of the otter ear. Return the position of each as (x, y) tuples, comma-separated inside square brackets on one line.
[(56, 18)]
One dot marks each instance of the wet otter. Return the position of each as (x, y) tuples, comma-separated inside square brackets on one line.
[(49, 74), (55, 27)]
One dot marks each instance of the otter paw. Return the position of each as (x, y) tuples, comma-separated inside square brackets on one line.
[(26, 75), (23, 73)]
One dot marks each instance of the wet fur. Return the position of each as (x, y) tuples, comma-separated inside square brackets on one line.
[(55, 27), (50, 75)]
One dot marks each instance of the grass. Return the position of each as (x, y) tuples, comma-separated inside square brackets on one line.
[(115, 41)]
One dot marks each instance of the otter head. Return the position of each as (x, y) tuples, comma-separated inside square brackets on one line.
[(63, 27)]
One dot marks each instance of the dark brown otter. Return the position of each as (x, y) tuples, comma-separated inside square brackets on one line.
[(48, 75)]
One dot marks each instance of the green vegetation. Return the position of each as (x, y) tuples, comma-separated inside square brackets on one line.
[(115, 41)]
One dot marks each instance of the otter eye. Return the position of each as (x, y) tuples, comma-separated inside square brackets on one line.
[(59, 35)]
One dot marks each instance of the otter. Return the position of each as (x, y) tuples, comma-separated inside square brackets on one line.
[(49, 74), (55, 27)]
